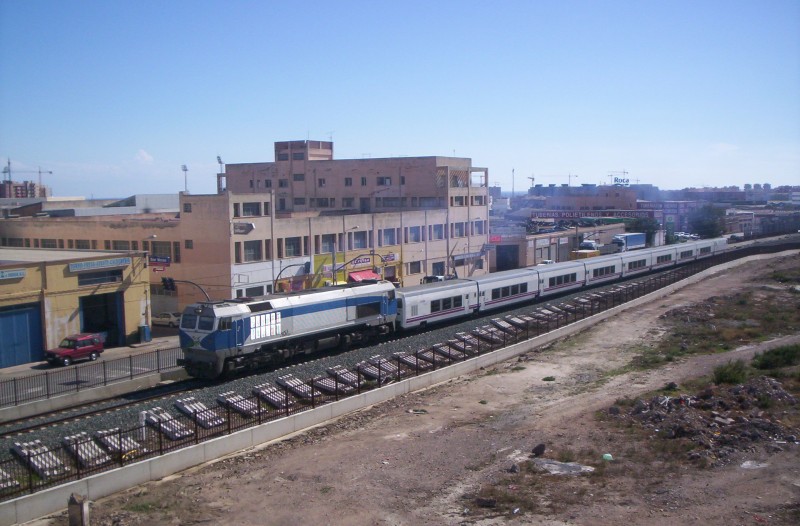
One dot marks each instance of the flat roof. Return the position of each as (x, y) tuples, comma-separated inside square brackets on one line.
[(14, 255)]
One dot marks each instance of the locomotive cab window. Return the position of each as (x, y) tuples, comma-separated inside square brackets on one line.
[(188, 321), (224, 324), (206, 323)]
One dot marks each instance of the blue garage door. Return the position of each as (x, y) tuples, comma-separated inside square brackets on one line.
[(21, 330)]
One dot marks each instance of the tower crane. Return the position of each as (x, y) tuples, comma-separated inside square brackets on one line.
[(7, 174)]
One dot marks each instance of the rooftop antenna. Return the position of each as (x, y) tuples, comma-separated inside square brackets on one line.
[(221, 164), (512, 183)]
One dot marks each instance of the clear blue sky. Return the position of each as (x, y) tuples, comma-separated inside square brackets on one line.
[(115, 96)]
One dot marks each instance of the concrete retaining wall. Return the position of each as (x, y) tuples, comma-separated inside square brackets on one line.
[(53, 500)]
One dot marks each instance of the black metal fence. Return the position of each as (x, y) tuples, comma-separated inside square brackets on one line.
[(57, 382), (33, 466)]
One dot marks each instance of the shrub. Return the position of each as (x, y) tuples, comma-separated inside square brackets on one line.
[(776, 358), (731, 373)]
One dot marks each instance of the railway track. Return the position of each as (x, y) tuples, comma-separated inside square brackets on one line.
[(306, 378)]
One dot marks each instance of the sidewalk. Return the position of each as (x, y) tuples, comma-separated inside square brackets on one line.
[(29, 369)]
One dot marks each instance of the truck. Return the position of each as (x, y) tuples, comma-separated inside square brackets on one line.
[(631, 241)]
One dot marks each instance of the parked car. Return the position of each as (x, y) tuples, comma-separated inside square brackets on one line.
[(169, 319), (76, 347)]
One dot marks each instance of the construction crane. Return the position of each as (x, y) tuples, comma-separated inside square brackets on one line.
[(622, 173), (7, 174)]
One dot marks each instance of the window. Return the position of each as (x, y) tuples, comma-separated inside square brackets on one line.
[(299, 177), (283, 156), (438, 269), (415, 267), (104, 276), (106, 244), (267, 183), (458, 229), (458, 200), (293, 247), (640, 263), (236, 212), (299, 201), (437, 232), (705, 250), (360, 239), (663, 259), (252, 292), (115, 245), (237, 252), (348, 202), (176, 249), (686, 254), (298, 156), (436, 305), (388, 237), (479, 228), (328, 243), (252, 251), (283, 183), (414, 234), (188, 244), (321, 182), (363, 181), (384, 181), (603, 271), (187, 207), (563, 280), (348, 181), (251, 209), (267, 208)]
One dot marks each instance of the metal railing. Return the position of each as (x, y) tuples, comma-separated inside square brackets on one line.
[(58, 382)]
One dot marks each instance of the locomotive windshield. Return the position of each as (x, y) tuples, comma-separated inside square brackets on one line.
[(206, 323), (188, 321)]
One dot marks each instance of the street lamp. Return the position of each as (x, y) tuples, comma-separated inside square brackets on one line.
[(185, 178)]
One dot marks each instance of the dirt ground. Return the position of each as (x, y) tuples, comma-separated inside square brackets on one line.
[(425, 458)]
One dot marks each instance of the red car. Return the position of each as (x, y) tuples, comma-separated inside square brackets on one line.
[(76, 347)]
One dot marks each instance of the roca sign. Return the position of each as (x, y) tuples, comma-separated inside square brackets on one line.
[(622, 181)]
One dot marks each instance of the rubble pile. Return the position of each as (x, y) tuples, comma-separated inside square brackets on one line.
[(719, 420)]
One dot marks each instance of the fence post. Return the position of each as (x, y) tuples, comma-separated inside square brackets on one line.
[(77, 379), (130, 365), (105, 373)]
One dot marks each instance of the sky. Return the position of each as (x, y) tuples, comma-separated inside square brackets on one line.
[(113, 97)]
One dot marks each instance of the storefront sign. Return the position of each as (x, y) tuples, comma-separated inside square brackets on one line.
[(12, 274), (100, 264)]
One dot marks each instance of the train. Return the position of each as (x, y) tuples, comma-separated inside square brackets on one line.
[(220, 338)]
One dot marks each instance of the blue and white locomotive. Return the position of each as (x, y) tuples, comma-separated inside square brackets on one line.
[(224, 336)]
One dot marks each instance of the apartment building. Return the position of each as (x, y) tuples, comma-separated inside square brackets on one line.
[(304, 220)]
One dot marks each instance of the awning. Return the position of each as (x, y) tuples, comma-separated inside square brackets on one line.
[(362, 275)]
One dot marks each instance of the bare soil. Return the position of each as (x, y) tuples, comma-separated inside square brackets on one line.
[(460, 452)]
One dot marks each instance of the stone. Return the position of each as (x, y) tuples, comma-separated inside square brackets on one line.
[(538, 451)]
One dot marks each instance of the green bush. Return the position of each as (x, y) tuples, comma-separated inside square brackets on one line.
[(776, 358), (731, 373)]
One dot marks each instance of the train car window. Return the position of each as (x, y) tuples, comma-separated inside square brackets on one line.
[(505, 292), (705, 250), (206, 323), (495, 294), (664, 259), (514, 290), (447, 303), (224, 324), (523, 288), (457, 301), (436, 306), (686, 254), (399, 303), (260, 307), (188, 321)]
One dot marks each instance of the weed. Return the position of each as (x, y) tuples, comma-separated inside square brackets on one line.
[(141, 507), (730, 373), (549, 379), (325, 490), (518, 368), (484, 402), (776, 358)]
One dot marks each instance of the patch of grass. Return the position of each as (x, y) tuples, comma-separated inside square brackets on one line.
[(731, 373), (325, 490), (777, 358), (517, 368), (484, 402), (549, 379), (141, 507)]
